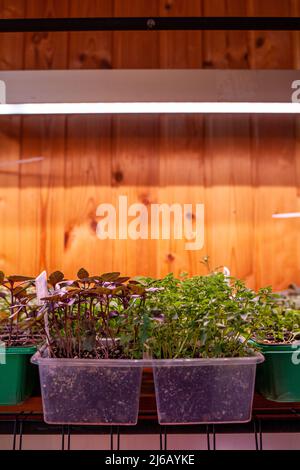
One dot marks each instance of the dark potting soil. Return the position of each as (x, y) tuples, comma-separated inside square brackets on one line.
[(90, 394), (97, 353), (204, 394)]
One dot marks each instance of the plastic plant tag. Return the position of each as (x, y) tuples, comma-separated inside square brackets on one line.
[(2, 92), (2, 353), (41, 286), (226, 272)]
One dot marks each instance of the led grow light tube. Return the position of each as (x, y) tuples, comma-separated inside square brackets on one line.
[(151, 108), (37, 92), (286, 215)]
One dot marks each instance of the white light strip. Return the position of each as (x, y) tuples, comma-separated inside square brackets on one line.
[(149, 107), (286, 215)]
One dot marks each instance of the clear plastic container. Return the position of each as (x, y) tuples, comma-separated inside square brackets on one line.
[(90, 391), (195, 391)]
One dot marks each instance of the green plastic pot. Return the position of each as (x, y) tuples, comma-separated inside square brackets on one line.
[(18, 377), (278, 378)]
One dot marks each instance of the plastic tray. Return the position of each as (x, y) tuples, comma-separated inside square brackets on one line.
[(90, 391), (195, 391)]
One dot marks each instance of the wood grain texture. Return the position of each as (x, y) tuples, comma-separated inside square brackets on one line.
[(135, 159), (11, 57), (242, 169), (88, 154), (181, 141), (42, 183)]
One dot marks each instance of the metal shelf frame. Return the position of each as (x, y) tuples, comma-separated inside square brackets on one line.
[(151, 24), (19, 424)]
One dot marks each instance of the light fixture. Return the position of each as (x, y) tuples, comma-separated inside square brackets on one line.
[(150, 91), (150, 108), (286, 215)]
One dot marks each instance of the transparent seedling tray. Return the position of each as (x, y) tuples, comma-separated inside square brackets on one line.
[(90, 391), (190, 391)]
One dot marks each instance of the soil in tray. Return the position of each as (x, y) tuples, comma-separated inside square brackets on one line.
[(204, 394), (96, 395)]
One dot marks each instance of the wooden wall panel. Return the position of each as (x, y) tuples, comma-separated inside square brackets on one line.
[(271, 49), (88, 154), (181, 141), (274, 159), (243, 170), (225, 49), (90, 50), (11, 57), (135, 159), (229, 193), (42, 183), (276, 241), (87, 184)]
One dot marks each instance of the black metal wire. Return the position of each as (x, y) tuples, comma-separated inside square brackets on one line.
[(255, 434), (166, 439), (20, 423), (21, 434), (160, 439), (214, 437), (208, 437), (15, 433), (118, 438), (150, 23), (15, 429), (62, 437), (260, 435), (111, 438), (69, 437)]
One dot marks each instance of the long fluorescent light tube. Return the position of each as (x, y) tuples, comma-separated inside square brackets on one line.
[(286, 215), (150, 107)]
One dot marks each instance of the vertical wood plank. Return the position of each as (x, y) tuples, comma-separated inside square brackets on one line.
[(135, 49), (135, 141), (11, 57), (228, 175), (87, 184), (275, 241), (42, 200), (91, 50), (180, 49), (46, 50), (225, 49), (41, 184), (88, 161), (274, 159), (229, 194), (181, 142), (11, 44), (270, 49)]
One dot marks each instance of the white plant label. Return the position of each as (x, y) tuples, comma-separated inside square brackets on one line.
[(41, 287), (2, 92), (2, 353)]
